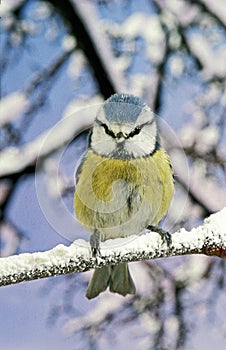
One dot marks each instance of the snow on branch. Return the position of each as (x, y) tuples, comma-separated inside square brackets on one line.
[(12, 106), (15, 159), (216, 9), (209, 239), (88, 14), (9, 6)]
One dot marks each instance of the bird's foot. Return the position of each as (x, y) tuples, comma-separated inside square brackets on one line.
[(95, 244), (165, 235)]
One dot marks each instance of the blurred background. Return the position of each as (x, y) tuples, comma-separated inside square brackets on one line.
[(59, 61)]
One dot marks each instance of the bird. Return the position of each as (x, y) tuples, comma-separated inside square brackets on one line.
[(124, 183)]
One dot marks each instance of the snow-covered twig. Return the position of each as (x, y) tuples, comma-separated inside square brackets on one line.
[(88, 14), (15, 159), (209, 239), (216, 9)]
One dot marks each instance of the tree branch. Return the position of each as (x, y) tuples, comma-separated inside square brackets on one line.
[(215, 10), (82, 22), (209, 239), (22, 160)]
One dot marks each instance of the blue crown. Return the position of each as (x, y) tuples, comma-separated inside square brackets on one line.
[(123, 108)]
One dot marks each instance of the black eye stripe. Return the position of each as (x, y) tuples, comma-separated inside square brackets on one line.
[(136, 131), (107, 130)]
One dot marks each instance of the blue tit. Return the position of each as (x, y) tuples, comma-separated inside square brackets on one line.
[(124, 183)]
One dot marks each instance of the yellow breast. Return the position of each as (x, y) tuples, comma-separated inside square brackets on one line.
[(121, 197)]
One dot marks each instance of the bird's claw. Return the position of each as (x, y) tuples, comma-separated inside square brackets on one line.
[(95, 244), (166, 236)]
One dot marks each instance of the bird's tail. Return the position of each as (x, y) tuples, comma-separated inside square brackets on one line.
[(116, 277)]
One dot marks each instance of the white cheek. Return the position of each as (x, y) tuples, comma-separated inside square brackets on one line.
[(143, 143), (101, 142)]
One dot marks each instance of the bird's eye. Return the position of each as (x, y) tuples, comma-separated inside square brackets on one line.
[(108, 131), (136, 131)]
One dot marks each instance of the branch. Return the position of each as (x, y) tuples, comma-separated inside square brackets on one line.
[(209, 239), (198, 189), (17, 103), (214, 9), (21, 160), (82, 22)]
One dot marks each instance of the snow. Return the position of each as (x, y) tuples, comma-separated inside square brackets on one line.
[(147, 245), (68, 43), (75, 120), (12, 106), (211, 95), (141, 25), (213, 61), (172, 324), (174, 40), (56, 181), (76, 64), (194, 178), (140, 85), (83, 109), (9, 6), (208, 138), (147, 26), (217, 7), (214, 226), (9, 239), (183, 12), (42, 10), (176, 66), (207, 189), (88, 13), (138, 24), (107, 305), (203, 140), (29, 27), (150, 322), (27, 262), (188, 135), (223, 99), (195, 268)]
